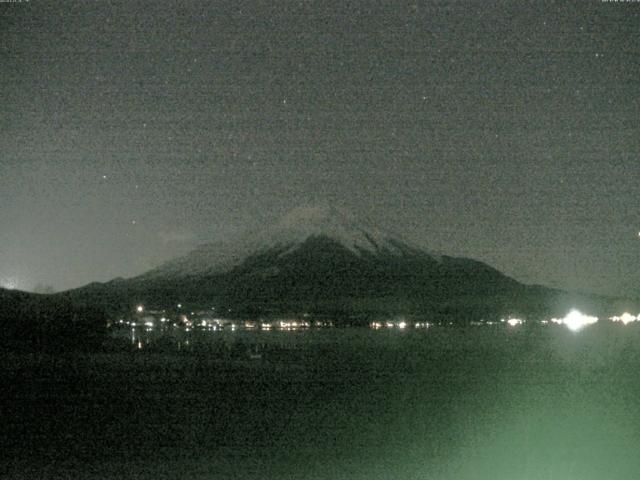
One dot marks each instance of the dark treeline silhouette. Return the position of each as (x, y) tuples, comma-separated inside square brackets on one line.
[(48, 323)]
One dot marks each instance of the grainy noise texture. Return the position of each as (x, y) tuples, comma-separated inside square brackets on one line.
[(503, 131)]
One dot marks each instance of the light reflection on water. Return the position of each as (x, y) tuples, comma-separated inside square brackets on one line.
[(169, 338), (441, 403), (251, 339), (142, 334)]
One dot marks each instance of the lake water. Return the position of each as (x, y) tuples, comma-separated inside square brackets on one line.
[(440, 403)]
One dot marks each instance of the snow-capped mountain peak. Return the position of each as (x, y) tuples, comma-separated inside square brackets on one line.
[(286, 235), (336, 224)]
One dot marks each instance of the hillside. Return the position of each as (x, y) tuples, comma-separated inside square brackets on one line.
[(324, 261)]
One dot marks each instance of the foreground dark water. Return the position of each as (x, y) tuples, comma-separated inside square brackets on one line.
[(508, 403)]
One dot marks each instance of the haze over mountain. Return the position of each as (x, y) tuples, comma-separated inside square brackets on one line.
[(286, 236), (323, 260)]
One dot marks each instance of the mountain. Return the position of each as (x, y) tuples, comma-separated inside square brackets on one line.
[(324, 261), (285, 237)]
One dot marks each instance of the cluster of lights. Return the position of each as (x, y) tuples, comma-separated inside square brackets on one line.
[(322, 324), (575, 320), (512, 322), (292, 324), (185, 320), (402, 324), (625, 318)]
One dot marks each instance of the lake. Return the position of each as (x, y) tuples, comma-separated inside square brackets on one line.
[(528, 402)]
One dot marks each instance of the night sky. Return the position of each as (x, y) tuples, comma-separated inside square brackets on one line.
[(504, 131)]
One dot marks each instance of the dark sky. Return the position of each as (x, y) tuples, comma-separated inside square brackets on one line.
[(504, 131)]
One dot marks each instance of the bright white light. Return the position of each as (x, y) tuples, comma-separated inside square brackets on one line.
[(423, 325), (140, 309), (576, 320), (8, 283), (402, 324), (625, 318), (148, 324), (514, 321)]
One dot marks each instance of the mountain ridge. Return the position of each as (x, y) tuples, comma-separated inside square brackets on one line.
[(291, 231), (323, 261)]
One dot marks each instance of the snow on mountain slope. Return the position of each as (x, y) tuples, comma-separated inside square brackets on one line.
[(286, 236), (339, 225)]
